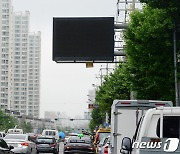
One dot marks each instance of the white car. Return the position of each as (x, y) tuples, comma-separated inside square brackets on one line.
[(21, 143)]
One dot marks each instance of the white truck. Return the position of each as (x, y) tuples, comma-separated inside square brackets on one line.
[(158, 131), (125, 116)]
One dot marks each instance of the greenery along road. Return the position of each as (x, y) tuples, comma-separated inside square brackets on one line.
[(149, 67), (7, 122)]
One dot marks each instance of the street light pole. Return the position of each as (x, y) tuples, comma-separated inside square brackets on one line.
[(175, 66)]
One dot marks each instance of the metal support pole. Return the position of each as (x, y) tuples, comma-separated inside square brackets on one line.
[(133, 5), (107, 121), (175, 66)]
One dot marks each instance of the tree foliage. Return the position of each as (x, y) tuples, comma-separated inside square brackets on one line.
[(26, 126), (97, 118), (149, 48), (173, 6), (6, 121), (150, 61), (115, 86)]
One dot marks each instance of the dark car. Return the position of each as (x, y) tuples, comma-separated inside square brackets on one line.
[(47, 144), (4, 149), (77, 144)]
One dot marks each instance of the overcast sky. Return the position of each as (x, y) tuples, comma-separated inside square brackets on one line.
[(64, 87)]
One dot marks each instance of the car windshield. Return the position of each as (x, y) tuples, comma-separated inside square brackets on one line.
[(51, 133), (103, 135), (45, 140), (17, 136)]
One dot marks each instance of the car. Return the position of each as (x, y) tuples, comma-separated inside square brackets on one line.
[(78, 144), (4, 148), (100, 145), (47, 144), (51, 133), (101, 134), (21, 143), (68, 136)]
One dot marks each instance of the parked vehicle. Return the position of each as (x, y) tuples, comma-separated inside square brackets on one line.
[(4, 148), (77, 144), (2, 134), (21, 143), (101, 134), (47, 144), (51, 133), (158, 131), (15, 131), (125, 115)]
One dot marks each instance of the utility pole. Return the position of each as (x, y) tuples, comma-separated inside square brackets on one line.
[(175, 66)]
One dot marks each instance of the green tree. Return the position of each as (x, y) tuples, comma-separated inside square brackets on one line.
[(26, 126), (115, 86), (7, 121), (150, 64), (173, 6), (149, 50), (97, 119)]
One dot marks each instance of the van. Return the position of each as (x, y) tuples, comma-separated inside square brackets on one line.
[(52, 133), (15, 131)]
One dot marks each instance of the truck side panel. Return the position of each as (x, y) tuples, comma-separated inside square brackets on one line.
[(126, 124)]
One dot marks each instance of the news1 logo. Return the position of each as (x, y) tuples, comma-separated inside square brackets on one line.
[(171, 145)]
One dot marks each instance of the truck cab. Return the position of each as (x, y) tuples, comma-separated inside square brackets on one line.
[(125, 117), (158, 131)]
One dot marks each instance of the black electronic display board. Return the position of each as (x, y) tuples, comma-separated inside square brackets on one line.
[(83, 39)]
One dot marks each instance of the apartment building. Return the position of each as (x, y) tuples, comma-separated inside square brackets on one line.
[(34, 74), (6, 39), (19, 62)]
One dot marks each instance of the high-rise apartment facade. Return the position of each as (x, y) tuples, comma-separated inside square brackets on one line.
[(20, 62), (6, 40), (34, 74)]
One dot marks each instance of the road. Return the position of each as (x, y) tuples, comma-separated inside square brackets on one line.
[(61, 148)]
